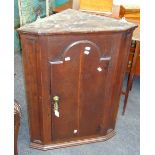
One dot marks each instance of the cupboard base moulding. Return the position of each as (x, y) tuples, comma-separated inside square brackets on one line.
[(73, 142)]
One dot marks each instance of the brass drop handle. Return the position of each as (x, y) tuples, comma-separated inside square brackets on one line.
[(56, 105)]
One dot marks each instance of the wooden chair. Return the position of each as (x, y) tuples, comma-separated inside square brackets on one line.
[(133, 68), (104, 7), (17, 115), (111, 10), (131, 74)]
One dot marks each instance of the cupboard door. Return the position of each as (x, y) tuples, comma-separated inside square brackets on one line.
[(78, 79), (94, 69), (64, 84)]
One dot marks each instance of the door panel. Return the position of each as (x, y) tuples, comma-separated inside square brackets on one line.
[(94, 70), (64, 83), (78, 78)]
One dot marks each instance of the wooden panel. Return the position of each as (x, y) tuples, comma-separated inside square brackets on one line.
[(130, 59), (96, 5), (137, 69), (37, 89), (43, 78), (92, 84), (125, 42), (90, 95), (64, 83), (30, 71), (111, 87)]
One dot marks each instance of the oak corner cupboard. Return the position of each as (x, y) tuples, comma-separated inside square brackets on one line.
[(74, 64)]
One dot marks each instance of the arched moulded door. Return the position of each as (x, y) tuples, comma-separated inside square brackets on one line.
[(77, 90)]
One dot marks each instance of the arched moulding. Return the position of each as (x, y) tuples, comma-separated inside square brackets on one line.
[(89, 44)]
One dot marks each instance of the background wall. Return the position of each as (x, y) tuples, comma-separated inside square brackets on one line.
[(16, 25), (30, 9), (60, 2), (27, 11)]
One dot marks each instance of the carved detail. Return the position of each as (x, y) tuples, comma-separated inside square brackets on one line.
[(81, 42), (64, 52)]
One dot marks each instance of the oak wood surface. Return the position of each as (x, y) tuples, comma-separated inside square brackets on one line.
[(73, 142), (86, 71), (118, 11)]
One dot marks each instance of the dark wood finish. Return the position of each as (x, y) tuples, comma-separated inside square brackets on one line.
[(137, 68), (118, 11), (130, 61), (85, 70), (133, 14), (17, 115), (74, 142)]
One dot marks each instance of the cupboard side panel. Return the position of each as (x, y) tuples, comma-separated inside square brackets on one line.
[(110, 83), (30, 75), (44, 89), (124, 51)]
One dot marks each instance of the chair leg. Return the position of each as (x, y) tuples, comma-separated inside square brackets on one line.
[(17, 115), (125, 102), (129, 85)]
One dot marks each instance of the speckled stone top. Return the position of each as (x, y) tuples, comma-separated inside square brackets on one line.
[(75, 21)]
